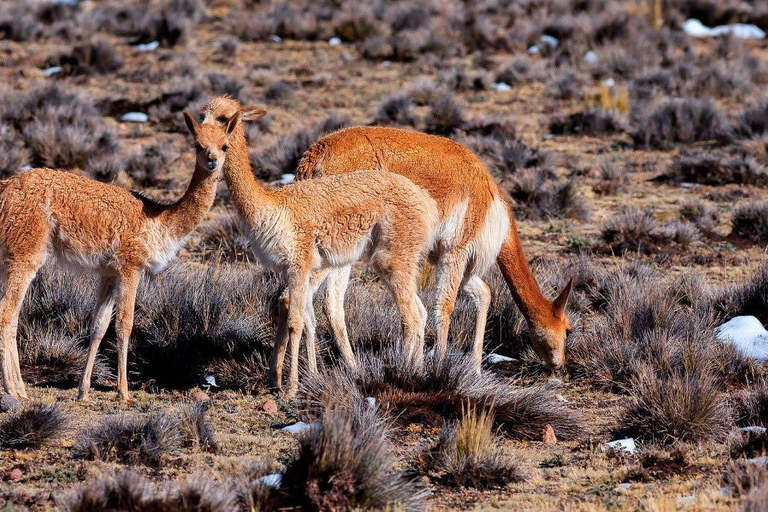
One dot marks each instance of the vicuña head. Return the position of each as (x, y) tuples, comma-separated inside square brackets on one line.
[(550, 330), (211, 143)]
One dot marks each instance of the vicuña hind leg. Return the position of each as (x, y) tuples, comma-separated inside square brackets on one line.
[(129, 283), (480, 293), (298, 289), (99, 324), (335, 289), (17, 281), (449, 273)]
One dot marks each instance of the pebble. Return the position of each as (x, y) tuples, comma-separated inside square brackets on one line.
[(134, 117), (498, 358), (274, 480), (623, 445), (371, 402), (147, 47), (502, 87), (275, 38), (334, 41), (300, 427), (53, 70), (9, 403), (269, 407), (198, 395), (590, 57), (548, 435), (16, 474)]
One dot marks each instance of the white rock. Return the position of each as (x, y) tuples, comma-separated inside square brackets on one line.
[(53, 70), (753, 428), (134, 117), (216, 44), (549, 136), (561, 398), (334, 41), (758, 460), (739, 31), (386, 63), (501, 87), (609, 82), (371, 402), (747, 334), (300, 427), (147, 47), (590, 57), (686, 500), (274, 480), (498, 358), (549, 41), (625, 485), (285, 179), (26, 167), (534, 49), (63, 2), (275, 38), (210, 380), (695, 28), (686, 185), (623, 445)]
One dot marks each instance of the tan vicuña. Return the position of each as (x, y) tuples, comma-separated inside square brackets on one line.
[(95, 227), (307, 229)]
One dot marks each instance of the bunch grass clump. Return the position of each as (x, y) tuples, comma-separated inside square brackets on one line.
[(469, 454), (33, 426)]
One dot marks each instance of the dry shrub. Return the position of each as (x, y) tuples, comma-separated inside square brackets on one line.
[(750, 297), (445, 115), (345, 464), (283, 156), (126, 490), (197, 431), (682, 406), (750, 221), (32, 426), (396, 110), (749, 481), (702, 214), (469, 454), (593, 121), (642, 321), (712, 169), (680, 120), (435, 392), (133, 439), (632, 230)]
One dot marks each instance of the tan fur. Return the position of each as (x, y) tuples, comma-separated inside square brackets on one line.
[(454, 176), (98, 227), (308, 228)]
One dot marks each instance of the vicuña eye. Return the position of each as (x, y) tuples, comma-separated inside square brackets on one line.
[(225, 147), (222, 119)]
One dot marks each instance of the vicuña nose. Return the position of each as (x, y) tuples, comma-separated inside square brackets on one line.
[(211, 164)]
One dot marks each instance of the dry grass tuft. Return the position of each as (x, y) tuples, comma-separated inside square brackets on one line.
[(469, 454), (33, 426)]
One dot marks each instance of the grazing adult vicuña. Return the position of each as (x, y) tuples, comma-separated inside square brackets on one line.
[(306, 228), (476, 228), (101, 228)]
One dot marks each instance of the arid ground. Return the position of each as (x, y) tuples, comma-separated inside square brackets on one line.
[(635, 157)]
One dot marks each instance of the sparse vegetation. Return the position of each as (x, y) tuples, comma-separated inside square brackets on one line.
[(634, 157)]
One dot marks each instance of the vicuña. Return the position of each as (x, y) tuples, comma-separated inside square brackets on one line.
[(307, 229), (476, 228), (99, 227)]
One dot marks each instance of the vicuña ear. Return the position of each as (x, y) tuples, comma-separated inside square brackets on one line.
[(251, 114), (562, 300), (191, 123), (232, 122)]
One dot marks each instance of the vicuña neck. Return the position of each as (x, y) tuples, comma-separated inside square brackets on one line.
[(250, 198), (536, 308), (182, 216)]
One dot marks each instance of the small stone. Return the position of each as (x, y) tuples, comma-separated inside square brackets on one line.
[(198, 395), (16, 474), (269, 407), (9, 403), (548, 435)]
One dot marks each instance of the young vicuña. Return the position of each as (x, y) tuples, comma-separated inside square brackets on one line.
[(98, 227), (306, 229)]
